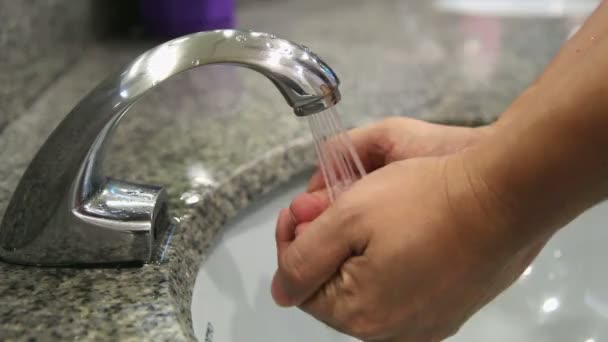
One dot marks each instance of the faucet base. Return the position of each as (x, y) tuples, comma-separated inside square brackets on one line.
[(124, 219), (117, 225)]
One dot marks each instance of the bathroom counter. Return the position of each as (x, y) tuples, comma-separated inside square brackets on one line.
[(219, 136)]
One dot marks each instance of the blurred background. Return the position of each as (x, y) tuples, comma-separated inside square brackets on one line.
[(39, 39), (449, 61)]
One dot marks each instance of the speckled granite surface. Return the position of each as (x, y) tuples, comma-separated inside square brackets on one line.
[(38, 40), (217, 137)]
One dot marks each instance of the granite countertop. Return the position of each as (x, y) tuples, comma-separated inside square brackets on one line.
[(218, 137)]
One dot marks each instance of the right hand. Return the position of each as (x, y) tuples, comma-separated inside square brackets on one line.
[(400, 138)]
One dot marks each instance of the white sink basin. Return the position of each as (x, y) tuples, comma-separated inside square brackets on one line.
[(563, 296), (232, 289)]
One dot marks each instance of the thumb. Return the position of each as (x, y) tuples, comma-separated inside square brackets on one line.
[(307, 262)]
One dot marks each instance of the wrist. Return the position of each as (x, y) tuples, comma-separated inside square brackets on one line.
[(495, 223), (540, 170)]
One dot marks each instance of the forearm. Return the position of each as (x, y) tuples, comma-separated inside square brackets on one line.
[(547, 160)]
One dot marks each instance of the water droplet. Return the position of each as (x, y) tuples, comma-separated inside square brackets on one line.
[(190, 198), (196, 62), (241, 38), (550, 305), (269, 45)]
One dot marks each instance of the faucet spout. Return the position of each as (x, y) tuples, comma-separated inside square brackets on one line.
[(66, 212)]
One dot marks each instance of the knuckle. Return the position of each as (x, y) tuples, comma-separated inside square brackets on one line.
[(292, 265), (365, 325), (351, 223)]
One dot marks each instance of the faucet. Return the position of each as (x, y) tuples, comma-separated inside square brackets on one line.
[(66, 212)]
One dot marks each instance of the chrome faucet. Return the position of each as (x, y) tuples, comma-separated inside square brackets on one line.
[(65, 212)]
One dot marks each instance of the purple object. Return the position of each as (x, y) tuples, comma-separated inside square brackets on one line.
[(174, 18)]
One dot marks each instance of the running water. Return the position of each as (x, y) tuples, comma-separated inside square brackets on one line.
[(338, 159)]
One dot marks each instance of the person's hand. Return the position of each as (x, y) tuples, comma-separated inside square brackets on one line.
[(409, 253), (387, 141), (400, 138)]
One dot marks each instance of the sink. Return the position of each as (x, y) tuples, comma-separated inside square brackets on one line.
[(562, 296), (231, 298)]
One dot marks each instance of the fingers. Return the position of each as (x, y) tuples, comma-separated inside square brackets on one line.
[(303, 209), (300, 228), (372, 144), (308, 206), (306, 263), (323, 305), (316, 181), (285, 232), (291, 223)]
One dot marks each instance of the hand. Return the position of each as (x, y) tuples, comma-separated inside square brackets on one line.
[(400, 138), (409, 253)]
